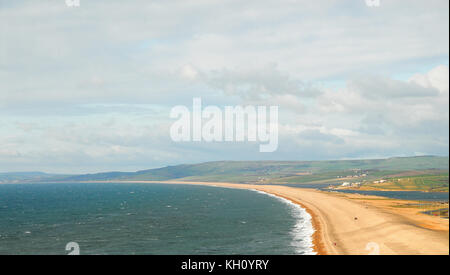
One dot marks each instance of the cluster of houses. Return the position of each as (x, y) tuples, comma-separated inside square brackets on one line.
[(353, 176), (346, 184), (351, 184)]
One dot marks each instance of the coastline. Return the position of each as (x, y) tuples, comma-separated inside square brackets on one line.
[(318, 246), (351, 224), (317, 243), (314, 238)]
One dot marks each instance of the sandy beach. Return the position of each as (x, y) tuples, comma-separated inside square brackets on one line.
[(356, 224)]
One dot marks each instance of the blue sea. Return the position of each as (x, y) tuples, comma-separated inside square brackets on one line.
[(122, 218)]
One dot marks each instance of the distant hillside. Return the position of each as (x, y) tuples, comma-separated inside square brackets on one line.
[(256, 171), (13, 177)]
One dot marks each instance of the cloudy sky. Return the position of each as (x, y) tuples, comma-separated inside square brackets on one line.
[(90, 88)]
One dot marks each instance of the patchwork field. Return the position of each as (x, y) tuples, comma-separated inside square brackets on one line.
[(437, 182)]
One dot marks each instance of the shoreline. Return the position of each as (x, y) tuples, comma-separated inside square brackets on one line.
[(316, 243), (314, 238), (317, 247), (344, 225), (350, 224)]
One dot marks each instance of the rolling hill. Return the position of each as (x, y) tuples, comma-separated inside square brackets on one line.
[(278, 171)]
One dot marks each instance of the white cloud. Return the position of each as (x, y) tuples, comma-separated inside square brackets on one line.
[(189, 72), (437, 78), (90, 88)]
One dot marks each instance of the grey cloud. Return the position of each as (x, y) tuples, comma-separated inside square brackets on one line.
[(317, 136), (373, 124), (260, 84), (382, 87)]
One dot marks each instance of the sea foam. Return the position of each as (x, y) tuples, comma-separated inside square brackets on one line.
[(303, 230)]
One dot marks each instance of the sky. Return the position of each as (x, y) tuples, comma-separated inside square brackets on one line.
[(90, 88)]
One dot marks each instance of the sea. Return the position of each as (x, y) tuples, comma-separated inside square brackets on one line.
[(143, 218)]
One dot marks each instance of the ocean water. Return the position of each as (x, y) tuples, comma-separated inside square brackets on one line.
[(119, 218)]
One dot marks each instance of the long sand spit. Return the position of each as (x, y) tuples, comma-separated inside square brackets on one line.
[(350, 226)]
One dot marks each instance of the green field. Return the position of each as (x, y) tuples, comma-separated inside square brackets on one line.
[(437, 182)]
